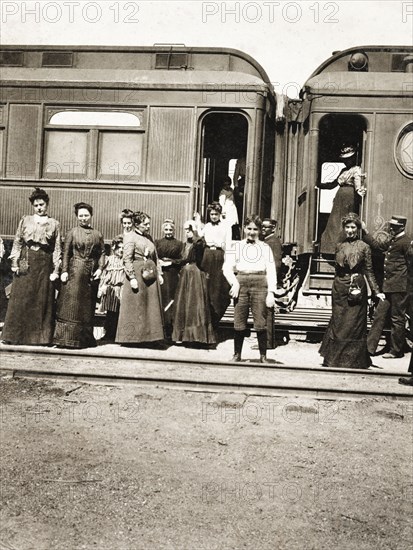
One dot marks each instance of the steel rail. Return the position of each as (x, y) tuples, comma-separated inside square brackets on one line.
[(193, 376)]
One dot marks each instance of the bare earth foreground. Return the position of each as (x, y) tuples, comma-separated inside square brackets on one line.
[(138, 467)]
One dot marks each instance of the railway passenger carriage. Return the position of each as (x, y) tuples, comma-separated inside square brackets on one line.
[(159, 128), (154, 129), (363, 97)]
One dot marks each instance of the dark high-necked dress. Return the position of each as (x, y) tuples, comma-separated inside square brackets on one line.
[(83, 254), (140, 314), (345, 341), (170, 250), (192, 321), (36, 252)]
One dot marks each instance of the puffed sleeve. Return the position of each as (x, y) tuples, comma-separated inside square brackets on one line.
[(129, 255), (17, 245), (357, 177), (369, 271), (57, 252), (67, 251)]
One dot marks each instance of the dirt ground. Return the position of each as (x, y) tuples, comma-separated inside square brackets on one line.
[(138, 467)]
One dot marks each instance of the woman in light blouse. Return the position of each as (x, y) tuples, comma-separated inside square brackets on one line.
[(35, 262), (250, 270), (217, 237)]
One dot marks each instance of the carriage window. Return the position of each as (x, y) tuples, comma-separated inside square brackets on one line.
[(93, 145), (66, 154), (120, 156), (404, 151)]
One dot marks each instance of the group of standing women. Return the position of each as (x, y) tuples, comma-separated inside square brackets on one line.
[(147, 289)]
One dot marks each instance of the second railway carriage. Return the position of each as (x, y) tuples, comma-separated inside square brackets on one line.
[(154, 129), (361, 97)]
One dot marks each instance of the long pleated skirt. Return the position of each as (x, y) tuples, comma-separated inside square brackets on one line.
[(76, 307), (30, 313), (218, 286)]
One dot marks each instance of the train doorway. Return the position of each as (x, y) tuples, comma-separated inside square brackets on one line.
[(336, 132), (223, 154)]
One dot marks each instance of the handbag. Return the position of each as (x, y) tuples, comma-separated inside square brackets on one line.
[(354, 292), (149, 272)]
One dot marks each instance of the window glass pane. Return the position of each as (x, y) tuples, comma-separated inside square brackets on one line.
[(404, 151), (65, 154), (95, 118), (329, 172), (120, 156)]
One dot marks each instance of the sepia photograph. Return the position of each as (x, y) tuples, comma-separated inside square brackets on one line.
[(206, 275)]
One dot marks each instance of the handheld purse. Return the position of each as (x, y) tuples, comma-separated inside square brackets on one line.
[(149, 272), (354, 292)]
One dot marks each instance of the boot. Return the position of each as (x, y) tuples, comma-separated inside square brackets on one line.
[(238, 341), (262, 345)]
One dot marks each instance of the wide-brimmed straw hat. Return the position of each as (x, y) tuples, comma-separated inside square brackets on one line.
[(398, 220)]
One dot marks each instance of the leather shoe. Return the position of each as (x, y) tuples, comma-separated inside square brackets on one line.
[(406, 381), (392, 355), (263, 359), (236, 358)]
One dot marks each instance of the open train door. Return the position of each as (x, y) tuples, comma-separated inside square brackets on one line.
[(223, 150)]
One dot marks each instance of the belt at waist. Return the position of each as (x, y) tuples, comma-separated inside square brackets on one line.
[(251, 273), (214, 247)]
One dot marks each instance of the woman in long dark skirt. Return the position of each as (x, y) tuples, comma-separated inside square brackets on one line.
[(140, 315), (217, 236), (83, 261), (345, 341), (170, 251), (35, 259), (347, 199), (192, 316)]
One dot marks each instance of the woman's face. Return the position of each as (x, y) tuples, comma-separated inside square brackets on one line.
[(189, 233), (83, 217), (214, 216), (144, 226), (350, 229), (40, 207), (251, 231), (168, 231), (127, 225)]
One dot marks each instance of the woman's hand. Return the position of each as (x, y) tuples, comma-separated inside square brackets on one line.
[(15, 270), (381, 296), (160, 279), (134, 284), (270, 300), (97, 274), (234, 290), (361, 191), (54, 277), (64, 277)]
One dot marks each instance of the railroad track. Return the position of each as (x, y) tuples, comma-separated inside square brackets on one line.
[(205, 376)]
